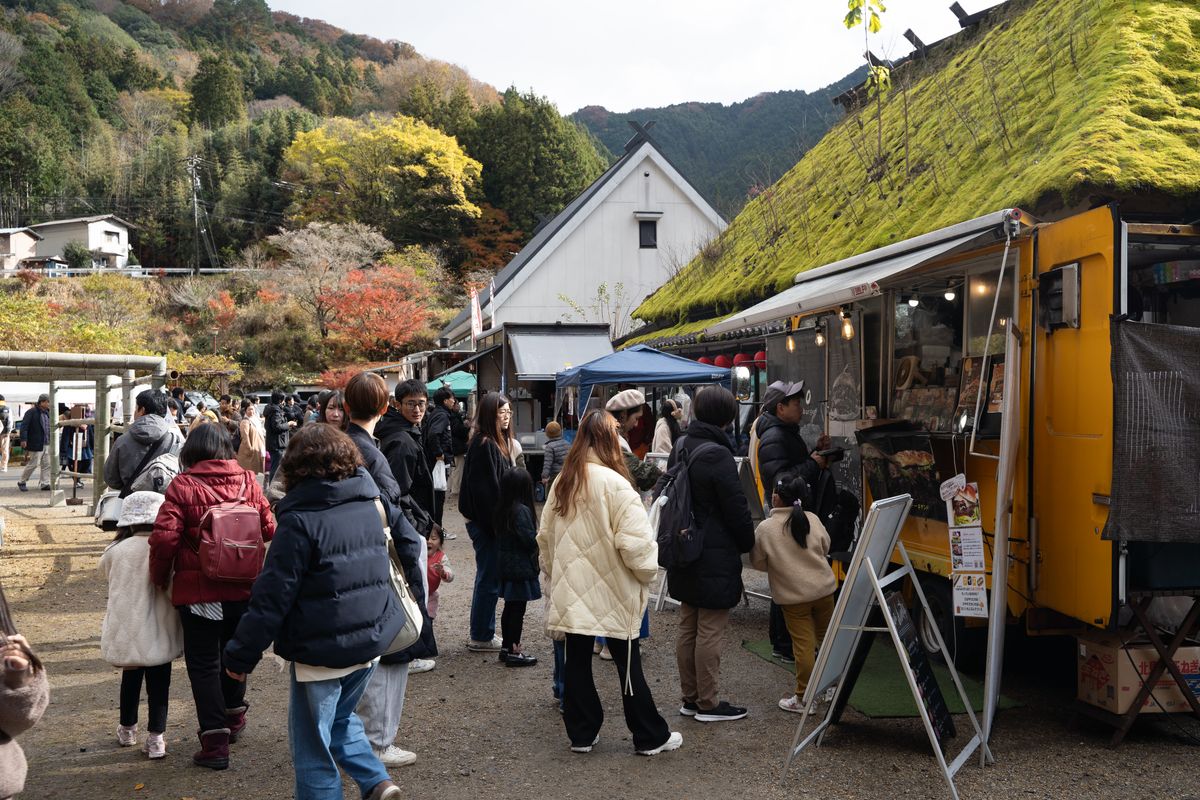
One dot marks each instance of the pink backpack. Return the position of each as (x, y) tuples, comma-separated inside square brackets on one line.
[(231, 546)]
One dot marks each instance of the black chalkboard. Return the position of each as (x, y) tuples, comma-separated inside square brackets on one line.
[(918, 660)]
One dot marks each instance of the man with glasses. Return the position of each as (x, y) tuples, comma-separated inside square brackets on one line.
[(402, 440)]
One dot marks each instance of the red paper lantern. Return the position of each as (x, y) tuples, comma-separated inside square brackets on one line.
[(723, 361), (760, 359), (742, 358), (705, 360)]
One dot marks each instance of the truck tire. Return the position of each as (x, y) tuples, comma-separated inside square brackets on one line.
[(968, 645)]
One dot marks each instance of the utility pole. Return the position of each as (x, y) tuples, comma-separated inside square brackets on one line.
[(201, 232)]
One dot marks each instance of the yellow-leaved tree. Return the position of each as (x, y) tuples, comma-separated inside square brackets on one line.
[(397, 174)]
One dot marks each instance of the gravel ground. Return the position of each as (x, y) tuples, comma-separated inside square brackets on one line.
[(482, 729)]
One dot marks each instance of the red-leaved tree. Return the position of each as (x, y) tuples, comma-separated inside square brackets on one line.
[(380, 309)]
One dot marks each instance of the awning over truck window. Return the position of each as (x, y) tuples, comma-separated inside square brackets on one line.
[(828, 287), (462, 365), (541, 356)]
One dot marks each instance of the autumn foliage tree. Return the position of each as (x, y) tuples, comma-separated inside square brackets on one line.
[(380, 309)]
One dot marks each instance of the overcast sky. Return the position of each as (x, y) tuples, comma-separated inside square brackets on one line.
[(624, 55)]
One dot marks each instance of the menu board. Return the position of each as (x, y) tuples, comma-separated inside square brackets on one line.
[(901, 462), (918, 660)]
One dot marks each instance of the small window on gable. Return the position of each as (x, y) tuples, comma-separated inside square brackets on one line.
[(648, 233)]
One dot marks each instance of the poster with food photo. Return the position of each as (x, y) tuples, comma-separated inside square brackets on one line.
[(963, 507)]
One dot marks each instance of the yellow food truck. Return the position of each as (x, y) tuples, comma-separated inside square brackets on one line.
[(905, 350)]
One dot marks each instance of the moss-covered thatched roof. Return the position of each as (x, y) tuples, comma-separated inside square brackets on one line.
[(1047, 105)]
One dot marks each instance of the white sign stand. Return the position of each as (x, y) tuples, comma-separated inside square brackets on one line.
[(864, 588)]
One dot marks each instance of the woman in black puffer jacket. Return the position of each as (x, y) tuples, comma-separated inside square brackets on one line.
[(325, 599), (708, 588)]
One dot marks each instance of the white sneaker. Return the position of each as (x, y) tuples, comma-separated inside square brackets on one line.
[(155, 746), (586, 748), (793, 704), (127, 737), (485, 647), (673, 742), (419, 665), (396, 757)]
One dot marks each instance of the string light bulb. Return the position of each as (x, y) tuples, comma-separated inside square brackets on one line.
[(914, 300), (819, 339), (950, 294), (791, 343), (847, 326)]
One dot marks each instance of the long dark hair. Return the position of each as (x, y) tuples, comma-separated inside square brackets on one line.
[(667, 411), (487, 422), (793, 491), (8, 628), (599, 435), (516, 489)]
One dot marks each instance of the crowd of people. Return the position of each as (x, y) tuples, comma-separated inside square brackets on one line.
[(349, 490)]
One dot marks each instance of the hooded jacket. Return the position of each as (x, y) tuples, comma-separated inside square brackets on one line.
[(324, 596), (141, 628), (780, 447), (714, 580), (600, 560), (176, 536), (796, 574), (439, 442), (148, 430), (275, 420)]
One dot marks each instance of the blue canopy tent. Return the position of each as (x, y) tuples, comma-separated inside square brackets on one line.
[(640, 365)]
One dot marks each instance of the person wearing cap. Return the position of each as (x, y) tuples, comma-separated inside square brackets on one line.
[(141, 632), (627, 407), (35, 441), (776, 447)]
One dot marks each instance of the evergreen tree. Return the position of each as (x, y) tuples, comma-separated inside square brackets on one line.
[(217, 96)]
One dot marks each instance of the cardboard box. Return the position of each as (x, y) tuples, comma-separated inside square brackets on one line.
[(1111, 672)]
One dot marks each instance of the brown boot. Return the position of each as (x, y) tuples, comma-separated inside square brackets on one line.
[(214, 749), (235, 720)]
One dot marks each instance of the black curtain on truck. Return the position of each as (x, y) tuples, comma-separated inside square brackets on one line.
[(1156, 426)]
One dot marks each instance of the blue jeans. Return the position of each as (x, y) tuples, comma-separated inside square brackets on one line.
[(487, 583), (325, 733), (560, 674), (645, 630)]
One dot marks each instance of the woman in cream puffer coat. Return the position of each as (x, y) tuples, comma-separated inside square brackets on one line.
[(600, 557)]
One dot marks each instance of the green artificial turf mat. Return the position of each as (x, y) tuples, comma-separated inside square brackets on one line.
[(881, 690)]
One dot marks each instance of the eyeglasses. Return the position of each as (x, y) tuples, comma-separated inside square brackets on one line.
[(507, 412), (415, 404)]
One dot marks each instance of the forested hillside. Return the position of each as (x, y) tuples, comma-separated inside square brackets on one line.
[(333, 171), (730, 152)]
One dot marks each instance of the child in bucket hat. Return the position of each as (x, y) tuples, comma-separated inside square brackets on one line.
[(141, 632)]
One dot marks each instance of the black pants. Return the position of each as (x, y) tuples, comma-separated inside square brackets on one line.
[(582, 712), (439, 503), (276, 458), (781, 640), (512, 621), (158, 689), (204, 641)]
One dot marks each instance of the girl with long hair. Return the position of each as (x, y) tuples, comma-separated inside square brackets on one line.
[(667, 430), (489, 454), (600, 557), (516, 527), (792, 547), (331, 409)]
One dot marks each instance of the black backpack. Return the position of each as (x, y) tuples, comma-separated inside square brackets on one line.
[(680, 539)]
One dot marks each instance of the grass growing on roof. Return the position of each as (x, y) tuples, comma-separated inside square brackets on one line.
[(1050, 102)]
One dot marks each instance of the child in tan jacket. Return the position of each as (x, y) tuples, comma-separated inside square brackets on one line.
[(792, 547)]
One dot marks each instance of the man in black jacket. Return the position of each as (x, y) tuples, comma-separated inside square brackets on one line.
[(712, 585), (35, 441), (278, 428), (402, 440), (777, 447), (439, 443)]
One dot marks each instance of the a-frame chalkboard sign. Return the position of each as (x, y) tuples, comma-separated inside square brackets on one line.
[(865, 589)]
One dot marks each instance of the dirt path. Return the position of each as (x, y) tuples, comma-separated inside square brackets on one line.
[(481, 730)]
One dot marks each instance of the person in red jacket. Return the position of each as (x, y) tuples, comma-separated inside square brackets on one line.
[(209, 610)]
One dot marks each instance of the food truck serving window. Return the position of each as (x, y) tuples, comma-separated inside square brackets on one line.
[(539, 357)]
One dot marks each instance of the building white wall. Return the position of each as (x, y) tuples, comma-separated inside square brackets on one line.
[(604, 249), (16, 246), (96, 235)]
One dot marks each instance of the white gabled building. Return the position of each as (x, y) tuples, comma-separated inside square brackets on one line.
[(106, 235), (626, 234)]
